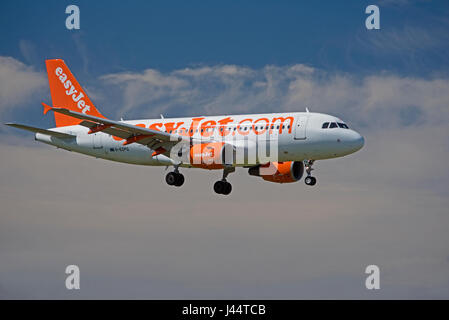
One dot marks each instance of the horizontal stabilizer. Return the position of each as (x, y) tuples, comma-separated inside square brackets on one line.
[(43, 131)]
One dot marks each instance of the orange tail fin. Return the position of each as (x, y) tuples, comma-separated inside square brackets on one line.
[(67, 93)]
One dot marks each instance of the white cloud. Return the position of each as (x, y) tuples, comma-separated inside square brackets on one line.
[(381, 99), (18, 83), (378, 100)]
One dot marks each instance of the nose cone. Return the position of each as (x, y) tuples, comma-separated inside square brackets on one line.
[(352, 141), (355, 141), (359, 142)]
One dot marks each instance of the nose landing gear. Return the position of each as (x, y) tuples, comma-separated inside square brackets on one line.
[(309, 180)]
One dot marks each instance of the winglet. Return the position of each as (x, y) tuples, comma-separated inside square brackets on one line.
[(46, 108)]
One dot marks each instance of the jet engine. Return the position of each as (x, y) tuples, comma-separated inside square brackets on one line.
[(279, 172)]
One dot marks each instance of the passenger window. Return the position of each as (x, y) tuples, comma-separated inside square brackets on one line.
[(333, 125), (325, 125)]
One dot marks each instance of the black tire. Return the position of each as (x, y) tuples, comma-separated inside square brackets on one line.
[(228, 188), (179, 180), (310, 181), (219, 187), (171, 178)]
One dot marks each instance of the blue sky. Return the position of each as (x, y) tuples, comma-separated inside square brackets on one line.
[(167, 35)]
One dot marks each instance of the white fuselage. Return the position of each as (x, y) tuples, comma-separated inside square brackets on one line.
[(299, 136)]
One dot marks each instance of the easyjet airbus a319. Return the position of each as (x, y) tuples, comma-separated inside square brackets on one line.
[(278, 147)]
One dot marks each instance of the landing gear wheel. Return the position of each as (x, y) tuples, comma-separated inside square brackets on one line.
[(222, 187), (227, 189), (219, 187), (170, 178), (179, 180), (174, 179), (310, 181)]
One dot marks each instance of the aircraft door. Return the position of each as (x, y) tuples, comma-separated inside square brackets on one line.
[(301, 127)]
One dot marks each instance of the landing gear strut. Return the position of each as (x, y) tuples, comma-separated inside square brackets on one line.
[(222, 186), (309, 180), (174, 178)]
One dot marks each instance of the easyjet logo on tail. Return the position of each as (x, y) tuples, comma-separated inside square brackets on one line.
[(77, 96)]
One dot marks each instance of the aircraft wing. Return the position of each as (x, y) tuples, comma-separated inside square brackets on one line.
[(159, 141), (39, 130)]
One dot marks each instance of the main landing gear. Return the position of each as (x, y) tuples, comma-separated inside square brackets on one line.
[(223, 187), (174, 178), (309, 180)]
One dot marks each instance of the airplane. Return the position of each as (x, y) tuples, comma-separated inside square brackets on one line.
[(296, 139)]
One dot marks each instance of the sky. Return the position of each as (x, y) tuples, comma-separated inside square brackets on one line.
[(134, 237)]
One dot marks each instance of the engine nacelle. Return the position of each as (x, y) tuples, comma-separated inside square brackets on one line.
[(279, 172), (211, 155)]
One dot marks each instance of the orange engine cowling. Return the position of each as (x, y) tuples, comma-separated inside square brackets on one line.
[(211, 155), (279, 172)]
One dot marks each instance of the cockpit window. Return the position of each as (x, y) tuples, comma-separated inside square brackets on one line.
[(333, 125), (325, 125), (343, 125)]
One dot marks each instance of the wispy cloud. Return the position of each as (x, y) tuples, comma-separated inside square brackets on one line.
[(380, 99), (18, 83), (82, 50), (28, 51)]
